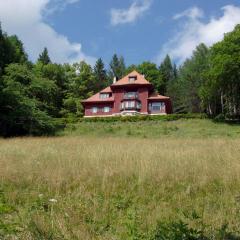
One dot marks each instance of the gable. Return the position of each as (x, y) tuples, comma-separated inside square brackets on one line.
[(129, 79)]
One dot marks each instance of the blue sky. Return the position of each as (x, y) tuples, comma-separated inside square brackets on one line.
[(139, 30)]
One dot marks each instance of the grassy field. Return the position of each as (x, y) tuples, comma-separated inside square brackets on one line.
[(144, 180), (187, 128)]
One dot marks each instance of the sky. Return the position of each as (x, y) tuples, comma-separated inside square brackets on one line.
[(139, 30)]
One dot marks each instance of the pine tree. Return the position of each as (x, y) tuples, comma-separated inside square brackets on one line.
[(100, 76), (44, 57), (117, 67), (166, 72), (122, 67), (2, 50)]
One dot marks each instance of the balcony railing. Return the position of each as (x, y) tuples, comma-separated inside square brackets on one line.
[(136, 108)]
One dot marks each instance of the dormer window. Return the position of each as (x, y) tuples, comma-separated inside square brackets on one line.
[(104, 95), (132, 79)]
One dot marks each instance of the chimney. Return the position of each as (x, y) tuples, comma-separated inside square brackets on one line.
[(143, 75), (114, 80)]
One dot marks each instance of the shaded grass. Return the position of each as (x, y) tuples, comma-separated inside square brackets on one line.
[(117, 187), (190, 128)]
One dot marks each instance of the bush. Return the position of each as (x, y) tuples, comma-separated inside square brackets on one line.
[(176, 231), (220, 118), (172, 117)]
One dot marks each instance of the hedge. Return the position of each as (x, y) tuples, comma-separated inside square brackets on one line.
[(171, 117)]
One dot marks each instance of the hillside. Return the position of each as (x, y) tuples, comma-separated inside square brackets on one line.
[(182, 128), (123, 180)]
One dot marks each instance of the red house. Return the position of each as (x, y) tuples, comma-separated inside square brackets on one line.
[(131, 95)]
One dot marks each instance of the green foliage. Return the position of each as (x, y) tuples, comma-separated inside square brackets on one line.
[(17, 53), (172, 117), (44, 57), (221, 89), (176, 231), (167, 74), (25, 103), (117, 67), (209, 80), (151, 73), (100, 76), (185, 92)]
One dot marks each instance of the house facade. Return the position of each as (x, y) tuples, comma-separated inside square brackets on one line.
[(131, 95)]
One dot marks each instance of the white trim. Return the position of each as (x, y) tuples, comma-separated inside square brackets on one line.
[(120, 115), (156, 114)]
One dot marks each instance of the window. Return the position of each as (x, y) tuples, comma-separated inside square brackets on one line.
[(157, 106), (132, 79), (130, 104), (130, 95), (139, 105), (94, 109), (104, 95), (106, 109)]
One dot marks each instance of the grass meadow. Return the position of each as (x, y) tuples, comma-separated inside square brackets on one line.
[(143, 180)]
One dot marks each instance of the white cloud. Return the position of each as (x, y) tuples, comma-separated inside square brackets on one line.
[(194, 31), (25, 18), (130, 15), (191, 13), (58, 5)]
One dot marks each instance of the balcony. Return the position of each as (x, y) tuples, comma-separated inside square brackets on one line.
[(130, 106)]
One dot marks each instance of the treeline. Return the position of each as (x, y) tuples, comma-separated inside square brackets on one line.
[(34, 96)]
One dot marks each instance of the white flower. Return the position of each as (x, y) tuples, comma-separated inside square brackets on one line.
[(52, 200)]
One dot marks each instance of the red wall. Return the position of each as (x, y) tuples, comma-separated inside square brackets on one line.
[(143, 96), (168, 105), (118, 96), (88, 109)]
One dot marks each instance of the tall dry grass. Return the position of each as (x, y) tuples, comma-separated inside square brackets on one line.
[(108, 188)]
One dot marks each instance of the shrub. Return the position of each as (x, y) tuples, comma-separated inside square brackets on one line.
[(176, 231), (172, 117)]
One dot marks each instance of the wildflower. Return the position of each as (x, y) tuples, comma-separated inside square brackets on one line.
[(52, 200)]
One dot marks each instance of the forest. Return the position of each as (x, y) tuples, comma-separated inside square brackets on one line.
[(36, 97)]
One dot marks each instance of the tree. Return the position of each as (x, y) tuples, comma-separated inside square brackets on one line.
[(190, 79), (131, 68), (220, 92), (80, 86), (11, 51), (44, 57), (17, 53), (117, 67), (100, 76), (2, 51), (21, 111), (150, 71), (166, 73), (57, 75)]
